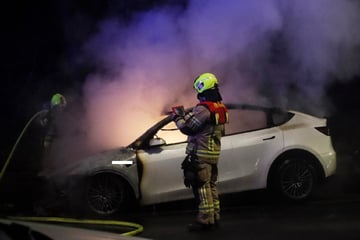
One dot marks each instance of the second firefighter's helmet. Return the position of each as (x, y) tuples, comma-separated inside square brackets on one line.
[(205, 82), (58, 100)]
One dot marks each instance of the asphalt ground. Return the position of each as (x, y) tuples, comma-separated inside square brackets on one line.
[(253, 215), (332, 213)]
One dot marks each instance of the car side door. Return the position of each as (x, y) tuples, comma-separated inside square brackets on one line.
[(162, 176), (253, 145)]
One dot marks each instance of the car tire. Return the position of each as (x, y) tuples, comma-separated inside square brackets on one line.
[(295, 179), (107, 194)]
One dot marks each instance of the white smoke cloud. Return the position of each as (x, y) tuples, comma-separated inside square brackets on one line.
[(277, 52), (323, 39)]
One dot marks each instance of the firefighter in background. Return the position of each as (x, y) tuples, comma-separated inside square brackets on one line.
[(48, 121), (204, 126)]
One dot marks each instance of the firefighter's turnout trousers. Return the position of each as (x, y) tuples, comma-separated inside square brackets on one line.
[(206, 193)]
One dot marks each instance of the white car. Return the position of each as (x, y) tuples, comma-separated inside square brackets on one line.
[(286, 151)]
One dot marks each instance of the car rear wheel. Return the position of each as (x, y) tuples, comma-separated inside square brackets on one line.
[(295, 179), (107, 194)]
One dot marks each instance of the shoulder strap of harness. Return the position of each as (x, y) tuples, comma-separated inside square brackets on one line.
[(219, 112)]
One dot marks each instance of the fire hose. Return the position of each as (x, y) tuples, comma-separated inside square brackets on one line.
[(138, 228), (17, 142)]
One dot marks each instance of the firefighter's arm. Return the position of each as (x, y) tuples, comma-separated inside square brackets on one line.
[(192, 122), (43, 119)]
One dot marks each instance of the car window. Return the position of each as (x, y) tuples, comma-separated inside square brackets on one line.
[(171, 134), (281, 117), (240, 120), (244, 120)]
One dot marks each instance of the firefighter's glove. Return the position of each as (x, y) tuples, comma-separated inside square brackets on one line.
[(177, 112), (44, 122), (175, 117)]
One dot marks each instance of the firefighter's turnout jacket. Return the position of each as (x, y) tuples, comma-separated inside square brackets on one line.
[(204, 127)]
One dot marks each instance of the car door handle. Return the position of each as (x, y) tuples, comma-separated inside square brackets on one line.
[(269, 138)]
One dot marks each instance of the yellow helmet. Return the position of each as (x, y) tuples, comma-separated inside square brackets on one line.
[(58, 100), (205, 82)]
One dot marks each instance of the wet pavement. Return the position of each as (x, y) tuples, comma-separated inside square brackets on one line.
[(255, 215), (332, 213), (333, 218)]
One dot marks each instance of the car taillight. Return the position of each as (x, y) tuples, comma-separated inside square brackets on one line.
[(324, 130)]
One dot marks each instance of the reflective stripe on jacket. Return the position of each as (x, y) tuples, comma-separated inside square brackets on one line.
[(204, 137)]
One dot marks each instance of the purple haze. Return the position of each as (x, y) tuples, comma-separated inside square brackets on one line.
[(273, 52)]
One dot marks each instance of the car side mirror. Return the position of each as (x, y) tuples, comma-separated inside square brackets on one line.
[(154, 142)]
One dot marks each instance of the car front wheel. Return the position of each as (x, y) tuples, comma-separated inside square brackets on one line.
[(107, 194), (295, 179)]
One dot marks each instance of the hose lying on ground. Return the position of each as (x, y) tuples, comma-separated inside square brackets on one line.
[(137, 227)]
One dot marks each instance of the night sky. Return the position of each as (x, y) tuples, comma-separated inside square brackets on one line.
[(41, 41)]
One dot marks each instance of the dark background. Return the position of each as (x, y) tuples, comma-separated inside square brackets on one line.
[(39, 44)]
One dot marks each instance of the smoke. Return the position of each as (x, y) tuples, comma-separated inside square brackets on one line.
[(276, 52)]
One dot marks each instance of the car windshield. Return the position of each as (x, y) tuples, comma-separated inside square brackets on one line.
[(171, 134), (143, 140)]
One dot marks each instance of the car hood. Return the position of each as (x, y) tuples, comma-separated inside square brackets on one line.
[(102, 160)]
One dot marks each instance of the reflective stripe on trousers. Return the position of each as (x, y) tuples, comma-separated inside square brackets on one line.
[(207, 194)]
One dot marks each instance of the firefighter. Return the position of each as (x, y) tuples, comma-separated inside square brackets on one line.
[(57, 105), (52, 112), (204, 126)]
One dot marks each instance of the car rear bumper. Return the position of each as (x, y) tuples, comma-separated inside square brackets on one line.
[(328, 161)]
